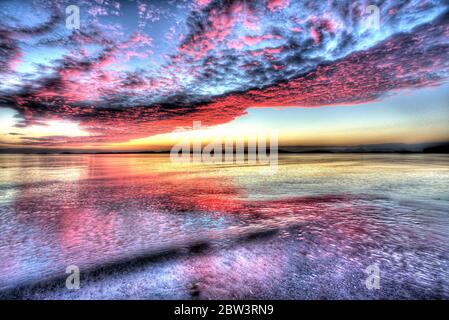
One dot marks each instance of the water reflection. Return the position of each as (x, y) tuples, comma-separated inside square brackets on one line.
[(334, 215)]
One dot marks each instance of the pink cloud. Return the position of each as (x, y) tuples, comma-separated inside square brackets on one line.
[(274, 5)]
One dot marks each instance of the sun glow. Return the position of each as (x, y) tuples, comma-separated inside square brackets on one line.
[(15, 135), (57, 128)]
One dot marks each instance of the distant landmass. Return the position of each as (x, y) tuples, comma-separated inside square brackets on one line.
[(373, 148), (444, 148)]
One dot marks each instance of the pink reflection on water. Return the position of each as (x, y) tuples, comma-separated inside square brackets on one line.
[(91, 210)]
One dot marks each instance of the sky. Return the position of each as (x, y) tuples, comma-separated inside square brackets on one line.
[(137, 74)]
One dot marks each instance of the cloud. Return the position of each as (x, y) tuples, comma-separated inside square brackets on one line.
[(9, 52), (228, 56)]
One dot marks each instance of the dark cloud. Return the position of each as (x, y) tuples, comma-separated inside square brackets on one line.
[(9, 52)]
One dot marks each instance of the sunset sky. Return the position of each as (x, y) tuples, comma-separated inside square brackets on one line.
[(318, 73)]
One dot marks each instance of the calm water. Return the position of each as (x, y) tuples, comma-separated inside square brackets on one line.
[(140, 226)]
